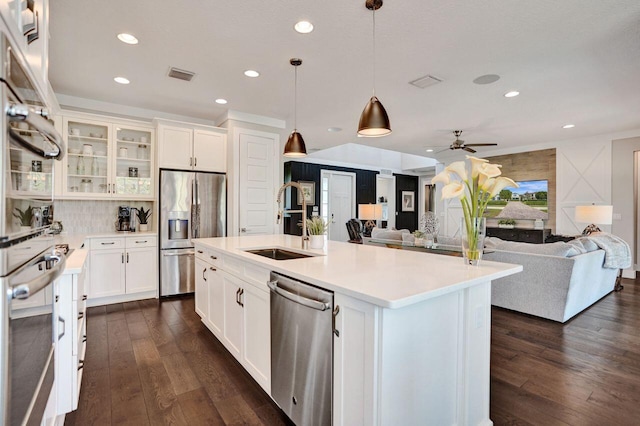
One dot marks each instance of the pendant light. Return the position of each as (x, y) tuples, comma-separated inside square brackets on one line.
[(295, 144), (374, 121)]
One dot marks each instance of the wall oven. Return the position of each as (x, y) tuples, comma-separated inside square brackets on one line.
[(28, 263)]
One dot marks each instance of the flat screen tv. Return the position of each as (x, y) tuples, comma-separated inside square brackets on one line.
[(528, 201)]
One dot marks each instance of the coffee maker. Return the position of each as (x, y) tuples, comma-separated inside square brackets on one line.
[(124, 219)]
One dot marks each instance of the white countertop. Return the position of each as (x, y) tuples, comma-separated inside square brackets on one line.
[(75, 262), (383, 276)]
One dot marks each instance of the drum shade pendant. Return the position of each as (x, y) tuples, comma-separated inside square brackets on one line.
[(295, 144), (374, 121)]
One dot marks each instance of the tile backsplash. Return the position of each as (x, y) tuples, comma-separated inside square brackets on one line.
[(93, 216)]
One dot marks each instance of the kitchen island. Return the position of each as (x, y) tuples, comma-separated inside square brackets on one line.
[(412, 329)]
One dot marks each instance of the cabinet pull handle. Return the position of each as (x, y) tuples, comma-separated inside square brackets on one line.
[(237, 296), (80, 364), (141, 242), (195, 161), (122, 257), (57, 298), (214, 258), (191, 161), (203, 272), (84, 297), (80, 315), (200, 251), (335, 313), (240, 302), (127, 257), (108, 244), (84, 339), (64, 327), (213, 269)]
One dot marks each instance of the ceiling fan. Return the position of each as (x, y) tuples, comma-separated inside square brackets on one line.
[(459, 144)]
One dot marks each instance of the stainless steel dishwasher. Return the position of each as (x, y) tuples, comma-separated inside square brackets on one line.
[(301, 350)]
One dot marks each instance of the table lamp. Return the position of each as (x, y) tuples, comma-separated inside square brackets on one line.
[(369, 213), (595, 215)]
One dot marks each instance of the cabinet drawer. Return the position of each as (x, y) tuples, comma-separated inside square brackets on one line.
[(141, 241), (106, 243), (212, 257)]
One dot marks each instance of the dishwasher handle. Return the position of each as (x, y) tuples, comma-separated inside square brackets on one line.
[(314, 304)]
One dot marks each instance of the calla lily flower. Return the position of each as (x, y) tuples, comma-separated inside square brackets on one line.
[(502, 183), (453, 190), (459, 168), (485, 182), (491, 170), (442, 177), (476, 165)]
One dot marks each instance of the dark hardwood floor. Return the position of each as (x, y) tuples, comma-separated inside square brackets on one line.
[(152, 363)]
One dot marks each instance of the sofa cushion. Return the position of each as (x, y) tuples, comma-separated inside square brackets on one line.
[(560, 249), (388, 234)]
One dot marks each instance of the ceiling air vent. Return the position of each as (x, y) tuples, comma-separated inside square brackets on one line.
[(426, 81), (181, 74), (387, 172)]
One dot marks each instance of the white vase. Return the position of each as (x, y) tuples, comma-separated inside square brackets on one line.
[(25, 228), (316, 241), (144, 227)]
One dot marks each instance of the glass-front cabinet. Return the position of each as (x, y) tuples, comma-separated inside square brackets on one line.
[(107, 160), (31, 176)]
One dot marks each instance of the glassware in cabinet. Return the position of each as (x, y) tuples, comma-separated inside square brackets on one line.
[(88, 150), (28, 173), (133, 161)]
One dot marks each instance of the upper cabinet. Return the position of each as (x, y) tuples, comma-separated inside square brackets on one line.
[(191, 147), (26, 24), (107, 159)]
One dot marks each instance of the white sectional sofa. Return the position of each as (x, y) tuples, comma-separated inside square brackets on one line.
[(558, 281)]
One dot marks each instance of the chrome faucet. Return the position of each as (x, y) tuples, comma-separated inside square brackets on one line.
[(305, 237)]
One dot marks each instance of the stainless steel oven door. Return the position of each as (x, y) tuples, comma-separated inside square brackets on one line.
[(27, 334)]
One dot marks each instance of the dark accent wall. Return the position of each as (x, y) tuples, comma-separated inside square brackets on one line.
[(298, 171), (406, 220)]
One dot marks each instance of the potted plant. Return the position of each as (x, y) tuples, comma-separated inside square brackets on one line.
[(143, 218), (506, 223), (316, 227), (25, 217), (418, 238)]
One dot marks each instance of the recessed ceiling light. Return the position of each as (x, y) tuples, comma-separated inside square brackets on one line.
[(511, 94), (221, 101), (303, 27), (121, 80), (568, 126), (334, 129), (251, 73), (429, 150), (127, 38)]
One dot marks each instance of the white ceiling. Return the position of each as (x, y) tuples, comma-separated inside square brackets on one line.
[(574, 61)]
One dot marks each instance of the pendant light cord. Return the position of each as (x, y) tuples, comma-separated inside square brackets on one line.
[(374, 48), (295, 100)]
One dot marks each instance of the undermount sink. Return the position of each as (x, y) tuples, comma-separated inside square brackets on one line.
[(278, 254)]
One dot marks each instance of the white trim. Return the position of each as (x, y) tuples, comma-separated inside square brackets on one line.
[(358, 166), (251, 118), (354, 196), (191, 125)]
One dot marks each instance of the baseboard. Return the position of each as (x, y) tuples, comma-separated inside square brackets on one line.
[(153, 294)]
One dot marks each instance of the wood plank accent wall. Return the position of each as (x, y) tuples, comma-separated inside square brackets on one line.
[(532, 165)]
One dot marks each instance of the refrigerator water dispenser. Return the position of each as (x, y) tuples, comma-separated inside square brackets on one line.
[(178, 229)]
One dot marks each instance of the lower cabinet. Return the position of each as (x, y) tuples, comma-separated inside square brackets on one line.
[(123, 265), (72, 338), (237, 313)]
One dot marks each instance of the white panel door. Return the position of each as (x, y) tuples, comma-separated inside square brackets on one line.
[(342, 202), (142, 269), (257, 187), (209, 151), (107, 273), (175, 148)]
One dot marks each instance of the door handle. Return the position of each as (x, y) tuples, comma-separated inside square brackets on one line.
[(309, 303), (195, 161), (333, 218), (190, 161), (80, 315), (122, 257), (243, 229), (335, 313), (203, 272), (127, 257), (64, 327)]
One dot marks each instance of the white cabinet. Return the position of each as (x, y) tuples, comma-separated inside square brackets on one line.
[(189, 147), (107, 159), (238, 312), (72, 343), (123, 265)]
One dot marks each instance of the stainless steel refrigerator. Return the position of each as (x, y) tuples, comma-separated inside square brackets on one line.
[(192, 205)]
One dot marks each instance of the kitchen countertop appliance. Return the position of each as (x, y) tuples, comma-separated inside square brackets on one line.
[(28, 263), (192, 205), (123, 223), (301, 350)]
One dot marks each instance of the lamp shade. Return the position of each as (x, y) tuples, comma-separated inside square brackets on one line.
[(369, 211), (374, 121), (295, 146), (599, 215)]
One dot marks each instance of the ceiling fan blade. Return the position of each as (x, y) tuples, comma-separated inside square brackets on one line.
[(481, 144), (466, 148), (443, 150)]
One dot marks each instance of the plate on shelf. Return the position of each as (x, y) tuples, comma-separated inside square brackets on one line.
[(96, 135)]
